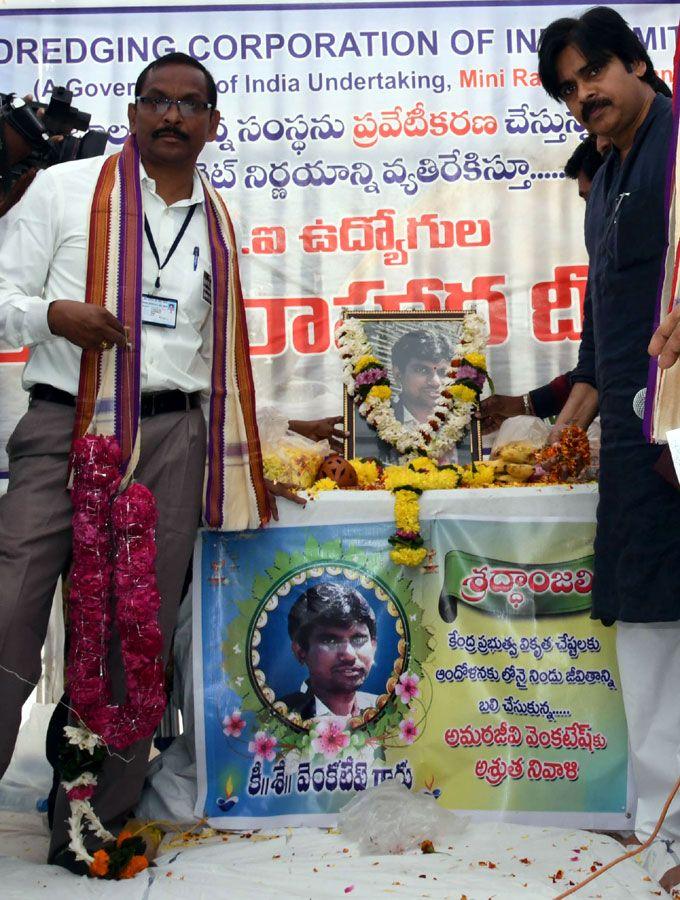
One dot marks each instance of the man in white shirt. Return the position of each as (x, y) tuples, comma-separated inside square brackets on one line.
[(44, 259)]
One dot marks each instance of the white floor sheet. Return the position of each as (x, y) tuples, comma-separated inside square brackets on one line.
[(500, 861)]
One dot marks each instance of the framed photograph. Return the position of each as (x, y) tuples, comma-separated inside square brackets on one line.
[(416, 348)]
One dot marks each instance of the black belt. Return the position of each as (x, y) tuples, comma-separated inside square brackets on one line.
[(153, 404)]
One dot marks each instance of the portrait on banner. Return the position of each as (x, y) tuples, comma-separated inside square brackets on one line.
[(326, 649)]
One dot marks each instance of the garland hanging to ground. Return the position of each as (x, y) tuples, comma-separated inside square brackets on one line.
[(114, 554)]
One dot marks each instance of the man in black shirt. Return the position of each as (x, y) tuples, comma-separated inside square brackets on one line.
[(599, 68)]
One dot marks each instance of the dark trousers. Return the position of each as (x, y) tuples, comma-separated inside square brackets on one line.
[(35, 543)]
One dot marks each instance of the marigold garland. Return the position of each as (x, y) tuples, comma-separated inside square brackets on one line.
[(566, 459), (368, 382), (562, 462)]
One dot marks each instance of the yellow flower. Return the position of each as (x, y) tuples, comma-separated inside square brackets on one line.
[(367, 472), (291, 465), (478, 360), (444, 479), (478, 475), (381, 391), (407, 511), (323, 484), (424, 464), (363, 362), (463, 392), (407, 556), (395, 476)]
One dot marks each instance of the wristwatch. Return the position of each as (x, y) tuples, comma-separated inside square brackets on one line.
[(528, 405)]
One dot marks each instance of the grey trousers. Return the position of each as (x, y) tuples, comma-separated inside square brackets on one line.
[(35, 546)]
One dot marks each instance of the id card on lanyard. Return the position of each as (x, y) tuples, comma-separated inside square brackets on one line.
[(157, 310), (161, 311)]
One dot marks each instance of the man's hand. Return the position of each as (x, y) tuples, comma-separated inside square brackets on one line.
[(85, 325), (580, 409), (278, 489), (495, 409), (665, 342), (321, 430)]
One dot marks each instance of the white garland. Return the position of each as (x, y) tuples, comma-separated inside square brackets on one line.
[(421, 439), (81, 810)]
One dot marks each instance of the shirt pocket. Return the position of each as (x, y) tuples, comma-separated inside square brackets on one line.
[(639, 227)]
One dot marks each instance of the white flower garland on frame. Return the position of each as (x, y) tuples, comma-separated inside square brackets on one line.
[(452, 412)]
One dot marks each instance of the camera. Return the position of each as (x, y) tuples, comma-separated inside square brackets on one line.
[(26, 130)]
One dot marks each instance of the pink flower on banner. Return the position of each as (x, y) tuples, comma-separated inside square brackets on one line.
[(263, 746), (409, 731), (331, 737), (407, 687), (233, 724)]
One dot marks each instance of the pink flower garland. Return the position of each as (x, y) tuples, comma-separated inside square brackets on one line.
[(114, 552)]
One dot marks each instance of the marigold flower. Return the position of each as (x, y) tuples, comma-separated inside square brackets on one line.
[(365, 361), (380, 391), (462, 392), (406, 556), (424, 464), (407, 511), (99, 867), (123, 836), (367, 472), (478, 474), (323, 484), (478, 360), (136, 865)]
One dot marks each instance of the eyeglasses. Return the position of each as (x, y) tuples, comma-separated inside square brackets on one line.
[(187, 108)]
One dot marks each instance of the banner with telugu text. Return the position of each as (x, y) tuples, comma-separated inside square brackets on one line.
[(482, 679), (386, 155)]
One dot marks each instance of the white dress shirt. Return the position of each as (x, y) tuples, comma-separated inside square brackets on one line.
[(43, 257)]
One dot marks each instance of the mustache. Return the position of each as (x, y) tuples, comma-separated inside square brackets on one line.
[(590, 106), (175, 132)]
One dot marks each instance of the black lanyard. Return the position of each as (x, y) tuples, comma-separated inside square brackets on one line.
[(175, 243)]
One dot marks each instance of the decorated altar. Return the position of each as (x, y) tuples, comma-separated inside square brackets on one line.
[(489, 686)]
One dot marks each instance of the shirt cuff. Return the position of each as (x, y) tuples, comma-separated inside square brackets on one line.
[(37, 329)]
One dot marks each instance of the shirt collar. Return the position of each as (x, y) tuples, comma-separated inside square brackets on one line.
[(196, 190)]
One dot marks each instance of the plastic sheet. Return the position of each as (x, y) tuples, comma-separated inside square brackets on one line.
[(391, 819), (288, 458), (520, 430)]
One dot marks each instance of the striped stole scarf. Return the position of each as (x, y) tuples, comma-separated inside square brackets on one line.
[(234, 494), (662, 405)]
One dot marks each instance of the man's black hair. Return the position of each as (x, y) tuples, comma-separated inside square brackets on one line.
[(419, 345), (178, 59), (331, 605), (600, 34), (585, 158)]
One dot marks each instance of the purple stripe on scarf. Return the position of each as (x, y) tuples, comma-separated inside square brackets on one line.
[(128, 362), (236, 450), (215, 480)]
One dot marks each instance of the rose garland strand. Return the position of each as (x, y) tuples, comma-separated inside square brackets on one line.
[(113, 554), (368, 382)]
